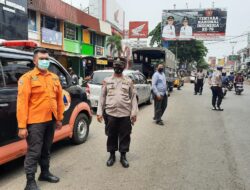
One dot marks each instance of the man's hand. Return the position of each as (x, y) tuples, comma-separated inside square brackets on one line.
[(159, 97), (23, 133), (58, 125), (99, 118), (133, 120)]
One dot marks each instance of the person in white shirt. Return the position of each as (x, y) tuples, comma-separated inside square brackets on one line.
[(168, 31), (186, 31)]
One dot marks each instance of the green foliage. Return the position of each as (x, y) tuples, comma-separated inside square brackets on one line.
[(115, 44), (188, 52), (156, 36)]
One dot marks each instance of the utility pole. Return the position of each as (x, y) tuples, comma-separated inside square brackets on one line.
[(174, 6), (233, 43), (187, 5), (213, 4)]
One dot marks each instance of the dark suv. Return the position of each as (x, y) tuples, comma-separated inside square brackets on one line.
[(77, 116)]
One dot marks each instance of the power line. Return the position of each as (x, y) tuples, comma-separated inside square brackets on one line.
[(222, 41)]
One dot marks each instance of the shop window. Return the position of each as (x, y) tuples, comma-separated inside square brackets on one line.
[(32, 25), (50, 23), (86, 36), (70, 31), (99, 40)]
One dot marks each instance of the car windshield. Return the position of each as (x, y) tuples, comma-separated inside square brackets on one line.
[(98, 77)]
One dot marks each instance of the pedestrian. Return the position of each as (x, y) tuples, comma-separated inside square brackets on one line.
[(159, 87), (200, 76), (215, 82), (118, 106), (73, 75), (40, 110)]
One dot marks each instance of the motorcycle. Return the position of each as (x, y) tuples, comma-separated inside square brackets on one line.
[(230, 85), (239, 88)]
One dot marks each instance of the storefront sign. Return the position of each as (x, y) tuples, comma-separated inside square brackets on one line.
[(51, 37), (101, 62), (99, 51)]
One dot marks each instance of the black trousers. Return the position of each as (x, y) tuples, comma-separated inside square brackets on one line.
[(39, 140), (217, 96), (160, 107), (118, 131), (199, 86)]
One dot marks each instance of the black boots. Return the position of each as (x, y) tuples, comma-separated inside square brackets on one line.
[(123, 160), (31, 182), (111, 159), (47, 176)]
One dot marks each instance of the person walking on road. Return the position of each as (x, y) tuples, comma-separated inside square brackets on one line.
[(159, 87), (200, 76), (40, 109), (215, 82), (118, 106)]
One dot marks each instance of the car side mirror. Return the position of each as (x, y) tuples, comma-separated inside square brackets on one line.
[(63, 81), (75, 81)]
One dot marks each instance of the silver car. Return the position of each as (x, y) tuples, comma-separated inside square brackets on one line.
[(94, 86)]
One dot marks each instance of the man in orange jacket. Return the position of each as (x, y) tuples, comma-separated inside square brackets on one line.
[(40, 109)]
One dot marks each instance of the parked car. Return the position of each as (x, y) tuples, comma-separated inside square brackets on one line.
[(94, 86), (77, 115)]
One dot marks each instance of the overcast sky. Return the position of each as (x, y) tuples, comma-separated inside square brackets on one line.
[(238, 21)]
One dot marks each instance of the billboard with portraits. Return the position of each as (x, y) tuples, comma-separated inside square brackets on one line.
[(200, 24)]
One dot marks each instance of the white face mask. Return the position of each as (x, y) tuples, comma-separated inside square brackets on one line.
[(43, 64)]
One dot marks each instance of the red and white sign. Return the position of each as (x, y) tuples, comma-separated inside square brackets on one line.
[(138, 29)]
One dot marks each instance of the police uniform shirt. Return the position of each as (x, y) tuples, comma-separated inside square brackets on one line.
[(169, 32), (186, 32), (118, 97), (200, 75), (216, 79)]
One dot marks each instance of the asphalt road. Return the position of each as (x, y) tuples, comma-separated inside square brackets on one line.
[(197, 149)]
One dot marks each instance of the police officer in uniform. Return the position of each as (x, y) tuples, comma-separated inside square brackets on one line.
[(215, 81), (118, 106), (40, 110), (169, 30)]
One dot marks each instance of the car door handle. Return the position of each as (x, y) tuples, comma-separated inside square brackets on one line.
[(4, 105)]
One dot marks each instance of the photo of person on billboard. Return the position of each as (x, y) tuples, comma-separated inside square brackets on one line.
[(168, 32), (186, 31)]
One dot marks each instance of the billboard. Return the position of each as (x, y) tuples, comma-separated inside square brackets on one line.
[(13, 20), (115, 14), (138, 29), (200, 24), (212, 61)]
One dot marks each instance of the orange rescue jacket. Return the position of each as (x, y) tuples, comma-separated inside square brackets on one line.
[(39, 96)]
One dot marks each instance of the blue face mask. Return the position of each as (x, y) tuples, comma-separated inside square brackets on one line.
[(43, 64)]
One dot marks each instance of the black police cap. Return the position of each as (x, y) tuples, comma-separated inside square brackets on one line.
[(185, 18), (170, 17)]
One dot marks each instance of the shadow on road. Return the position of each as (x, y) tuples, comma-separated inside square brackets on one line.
[(16, 166)]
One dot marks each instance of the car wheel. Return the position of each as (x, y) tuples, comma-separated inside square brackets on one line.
[(150, 101), (81, 129)]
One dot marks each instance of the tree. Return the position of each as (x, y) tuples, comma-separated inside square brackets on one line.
[(115, 45), (188, 52), (156, 36)]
